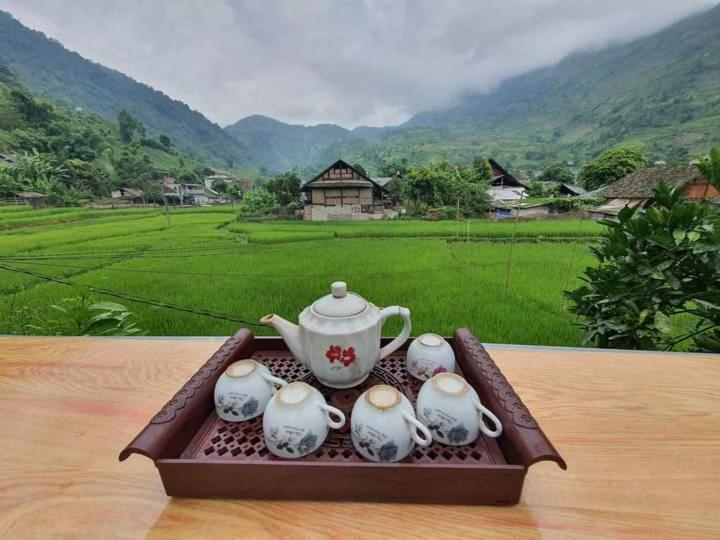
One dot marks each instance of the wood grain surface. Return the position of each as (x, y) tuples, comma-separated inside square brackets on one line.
[(640, 433)]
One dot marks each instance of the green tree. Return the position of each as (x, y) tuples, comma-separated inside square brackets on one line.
[(38, 172), (152, 191), (9, 184), (557, 172), (257, 201), (651, 266), (166, 142), (234, 192), (535, 189), (611, 166), (35, 111), (220, 186), (442, 184), (482, 168), (128, 126), (133, 167), (393, 166), (710, 167), (285, 187), (89, 176)]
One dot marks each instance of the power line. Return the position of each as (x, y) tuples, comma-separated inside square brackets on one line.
[(133, 298)]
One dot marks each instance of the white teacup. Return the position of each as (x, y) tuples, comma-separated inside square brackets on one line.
[(428, 355), (297, 419), (452, 411), (243, 391), (384, 427)]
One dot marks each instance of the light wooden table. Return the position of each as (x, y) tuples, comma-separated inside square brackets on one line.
[(640, 433)]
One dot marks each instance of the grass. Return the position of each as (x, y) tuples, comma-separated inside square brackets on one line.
[(478, 229), (18, 219), (207, 260)]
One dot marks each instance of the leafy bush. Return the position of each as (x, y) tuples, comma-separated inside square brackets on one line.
[(557, 172), (77, 316), (257, 201), (610, 166), (442, 184), (653, 265)]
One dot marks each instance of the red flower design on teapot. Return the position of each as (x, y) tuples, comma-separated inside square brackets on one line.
[(336, 353)]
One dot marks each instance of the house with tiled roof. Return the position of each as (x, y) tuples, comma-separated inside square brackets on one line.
[(637, 188)]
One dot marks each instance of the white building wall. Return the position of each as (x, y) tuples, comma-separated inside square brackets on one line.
[(315, 212)]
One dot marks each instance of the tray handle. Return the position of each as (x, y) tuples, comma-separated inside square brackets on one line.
[(522, 440), (170, 429)]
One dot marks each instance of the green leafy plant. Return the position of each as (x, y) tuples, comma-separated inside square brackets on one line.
[(535, 189), (610, 166), (657, 282), (257, 201), (76, 316), (557, 172), (443, 184), (710, 167)]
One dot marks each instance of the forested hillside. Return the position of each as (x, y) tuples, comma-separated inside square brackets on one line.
[(50, 70), (279, 146), (71, 155), (661, 92)]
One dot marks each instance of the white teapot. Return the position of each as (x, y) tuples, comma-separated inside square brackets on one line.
[(338, 336)]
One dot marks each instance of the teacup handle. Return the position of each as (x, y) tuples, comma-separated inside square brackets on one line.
[(414, 426), (337, 412), (273, 380), (487, 412)]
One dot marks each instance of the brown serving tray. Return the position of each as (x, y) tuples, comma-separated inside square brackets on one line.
[(200, 455)]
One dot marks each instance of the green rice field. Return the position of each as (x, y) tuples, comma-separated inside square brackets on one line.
[(205, 259)]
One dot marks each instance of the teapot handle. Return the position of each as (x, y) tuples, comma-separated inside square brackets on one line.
[(396, 343)]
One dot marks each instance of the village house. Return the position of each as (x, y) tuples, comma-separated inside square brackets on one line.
[(564, 189), (342, 192), (32, 198), (129, 195), (636, 189), (219, 175), (503, 185), (188, 194)]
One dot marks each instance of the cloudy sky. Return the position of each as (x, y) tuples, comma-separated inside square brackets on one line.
[(364, 62)]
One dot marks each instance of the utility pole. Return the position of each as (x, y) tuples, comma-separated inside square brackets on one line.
[(512, 241), (457, 218), (167, 212)]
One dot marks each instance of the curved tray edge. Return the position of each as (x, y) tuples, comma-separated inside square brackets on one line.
[(179, 418), (523, 440)]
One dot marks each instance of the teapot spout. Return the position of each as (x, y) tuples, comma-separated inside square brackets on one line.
[(290, 333)]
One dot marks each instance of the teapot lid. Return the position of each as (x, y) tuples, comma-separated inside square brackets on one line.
[(340, 303)]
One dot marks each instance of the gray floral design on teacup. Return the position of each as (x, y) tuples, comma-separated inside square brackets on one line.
[(384, 451), (238, 406), (293, 441), (444, 426)]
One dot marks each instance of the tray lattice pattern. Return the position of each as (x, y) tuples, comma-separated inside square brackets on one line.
[(244, 441)]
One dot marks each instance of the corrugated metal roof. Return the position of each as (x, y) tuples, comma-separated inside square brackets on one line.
[(382, 180)]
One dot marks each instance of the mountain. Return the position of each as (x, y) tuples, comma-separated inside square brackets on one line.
[(50, 70), (70, 155), (660, 92), (280, 146)]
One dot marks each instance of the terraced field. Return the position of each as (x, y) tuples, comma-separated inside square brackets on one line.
[(204, 259)]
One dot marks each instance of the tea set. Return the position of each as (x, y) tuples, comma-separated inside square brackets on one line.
[(338, 340)]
